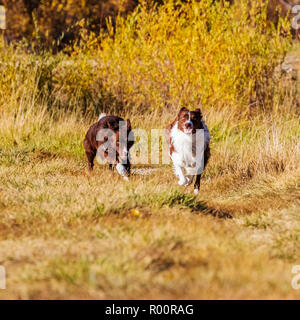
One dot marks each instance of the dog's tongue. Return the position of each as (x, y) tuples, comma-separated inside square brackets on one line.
[(188, 131)]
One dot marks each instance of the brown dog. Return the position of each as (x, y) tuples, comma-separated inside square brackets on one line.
[(109, 139)]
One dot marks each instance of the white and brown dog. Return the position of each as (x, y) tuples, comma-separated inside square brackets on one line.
[(188, 146)]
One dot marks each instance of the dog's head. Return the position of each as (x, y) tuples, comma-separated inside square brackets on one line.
[(115, 138), (189, 121)]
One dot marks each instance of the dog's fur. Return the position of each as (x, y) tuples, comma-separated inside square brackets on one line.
[(120, 145), (184, 147)]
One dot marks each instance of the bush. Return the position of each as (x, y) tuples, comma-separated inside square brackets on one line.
[(184, 53), (56, 20), (160, 56)]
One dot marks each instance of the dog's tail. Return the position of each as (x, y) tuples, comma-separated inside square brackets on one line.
[(102, 115)]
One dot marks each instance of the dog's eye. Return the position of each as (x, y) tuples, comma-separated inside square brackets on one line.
[(184, 117)]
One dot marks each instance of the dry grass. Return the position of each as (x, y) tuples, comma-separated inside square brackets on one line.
[(66, 233)]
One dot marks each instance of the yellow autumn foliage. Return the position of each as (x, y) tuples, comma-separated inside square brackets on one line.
[(160, 56), (187, 53)]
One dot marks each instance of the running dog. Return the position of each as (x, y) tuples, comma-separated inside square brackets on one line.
[(188, 151), (109, 139)]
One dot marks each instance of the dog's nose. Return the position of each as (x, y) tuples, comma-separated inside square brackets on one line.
[(188, 125)]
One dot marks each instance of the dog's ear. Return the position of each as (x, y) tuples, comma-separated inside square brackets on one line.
[(198, 111), (181, 110)]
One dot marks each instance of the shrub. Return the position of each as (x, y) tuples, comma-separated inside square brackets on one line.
[(184, 53), (56, 20), (160, 56)]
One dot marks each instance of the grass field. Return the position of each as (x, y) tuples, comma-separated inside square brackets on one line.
[(67, 233)]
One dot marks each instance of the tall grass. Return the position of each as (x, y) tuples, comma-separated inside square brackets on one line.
[(156, 59), (266, 144), (69, 233)]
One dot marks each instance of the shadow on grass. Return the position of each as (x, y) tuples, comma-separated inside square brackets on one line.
[(189, 201), (203, 208)]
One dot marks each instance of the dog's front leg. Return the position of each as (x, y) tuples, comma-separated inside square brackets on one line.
[(197, 184), (183, 180), (122, 171), (178, 166)]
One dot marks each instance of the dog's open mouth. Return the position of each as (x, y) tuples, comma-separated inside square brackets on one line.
[(188, 130)]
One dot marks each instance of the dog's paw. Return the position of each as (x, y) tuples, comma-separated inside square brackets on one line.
[(196, 191), (181, 182), (189, 180), (121, 169), (184, 181)]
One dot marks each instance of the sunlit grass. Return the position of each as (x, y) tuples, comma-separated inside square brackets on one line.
[(68, 233)]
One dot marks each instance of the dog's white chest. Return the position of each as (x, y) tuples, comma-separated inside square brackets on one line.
[(183, 145), (187, 154), (183, 153)]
